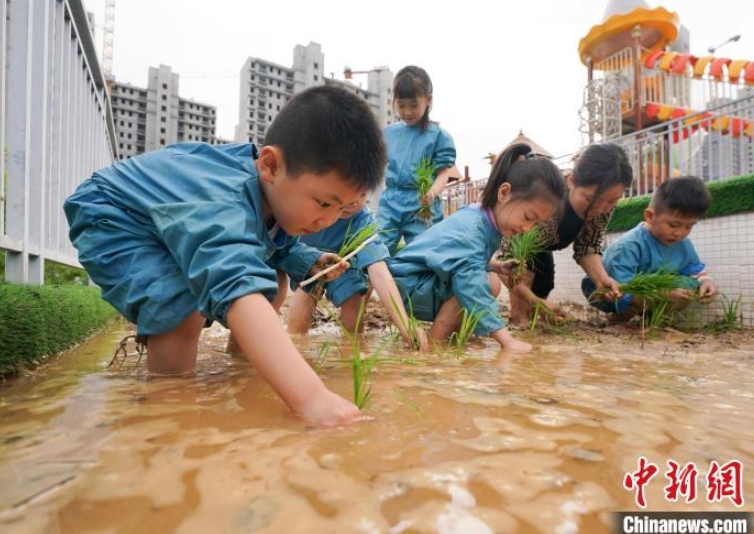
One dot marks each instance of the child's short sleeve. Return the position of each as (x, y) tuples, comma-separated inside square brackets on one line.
[(444, 154), (219, 257)]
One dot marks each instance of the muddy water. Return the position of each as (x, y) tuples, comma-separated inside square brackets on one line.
[(486, 443)]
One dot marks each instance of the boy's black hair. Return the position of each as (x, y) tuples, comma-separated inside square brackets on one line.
[(410, 83), (687, 196), (328, 128), (531, 176)]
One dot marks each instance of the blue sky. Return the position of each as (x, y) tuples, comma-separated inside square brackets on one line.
[(496, 68)]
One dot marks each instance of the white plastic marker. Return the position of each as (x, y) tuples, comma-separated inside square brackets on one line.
[(347, 257)]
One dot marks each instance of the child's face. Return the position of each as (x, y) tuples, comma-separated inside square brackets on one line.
[(307, 203), (353, 207), (411, 110), (519, 216), (583, 202), (668, 227)]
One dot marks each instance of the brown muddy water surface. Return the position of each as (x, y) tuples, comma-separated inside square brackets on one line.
[(487, 443)]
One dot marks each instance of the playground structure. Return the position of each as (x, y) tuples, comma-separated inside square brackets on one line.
[(674, 112)]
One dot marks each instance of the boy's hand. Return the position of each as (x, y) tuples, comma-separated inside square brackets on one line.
[(328, 409), (707, 289), (326, 260)]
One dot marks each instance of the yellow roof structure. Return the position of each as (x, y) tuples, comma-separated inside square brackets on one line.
[(657, 27)]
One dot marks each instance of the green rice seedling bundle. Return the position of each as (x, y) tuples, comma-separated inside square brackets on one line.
[(425, 179), (524, 247)]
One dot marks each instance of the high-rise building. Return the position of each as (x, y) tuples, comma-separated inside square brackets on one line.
[(148, 119), (265, 87)]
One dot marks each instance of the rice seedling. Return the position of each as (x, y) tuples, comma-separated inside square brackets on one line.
[(425, 179), (324, 351), (523, 247), (732, 317), (361, 368), (354, 240), (651, 288), (362, 371), (469, 322), (411, 324), (352, 245)]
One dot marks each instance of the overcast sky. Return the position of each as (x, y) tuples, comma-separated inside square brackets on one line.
[(495, 70)]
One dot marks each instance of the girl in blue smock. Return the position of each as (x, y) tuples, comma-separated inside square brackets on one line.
[(409, 141), (445, 269), (348, 292)]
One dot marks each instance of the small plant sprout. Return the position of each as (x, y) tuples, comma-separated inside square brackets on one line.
[(352, 245), (353, 241), (469, 322), (732, 313), (523, 247), (411, 324), (425, 179), (361, 368)]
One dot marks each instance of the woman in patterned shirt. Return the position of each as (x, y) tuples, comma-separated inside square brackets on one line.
[(601, 174)]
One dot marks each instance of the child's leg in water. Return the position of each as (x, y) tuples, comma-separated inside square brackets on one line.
[(174, 352), (448, 319), (303, 305), (349, 313)]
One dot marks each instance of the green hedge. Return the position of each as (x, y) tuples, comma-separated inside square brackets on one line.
[(40, 321), (730, 196)]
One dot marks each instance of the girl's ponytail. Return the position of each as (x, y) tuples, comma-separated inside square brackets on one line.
[(528, 174)]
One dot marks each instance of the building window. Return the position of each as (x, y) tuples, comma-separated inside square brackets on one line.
[(162, 119), (316, 65), (164, 86), (162, 142), (164, 108), (162, 130), (316, 78)]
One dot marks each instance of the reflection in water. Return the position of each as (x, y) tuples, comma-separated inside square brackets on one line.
[(487, 443)]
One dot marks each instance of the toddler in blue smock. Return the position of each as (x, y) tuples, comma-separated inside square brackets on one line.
[(347, 292), (403, 212), (660, 243), (445, 270), (196, 232)]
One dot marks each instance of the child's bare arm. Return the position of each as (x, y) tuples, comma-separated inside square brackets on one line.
[(256, 327), (383, 283)]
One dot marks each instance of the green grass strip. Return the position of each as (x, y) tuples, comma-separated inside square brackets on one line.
[(40, 321), (729, 196)]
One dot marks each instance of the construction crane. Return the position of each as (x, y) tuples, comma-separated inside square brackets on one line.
[(107, 42)]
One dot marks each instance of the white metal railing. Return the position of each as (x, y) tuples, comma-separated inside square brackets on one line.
[(712, 144), (56, 128)]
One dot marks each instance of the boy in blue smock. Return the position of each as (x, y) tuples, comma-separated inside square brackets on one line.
[(660, 243), (409, 141), (195, 232), (348, 292)]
